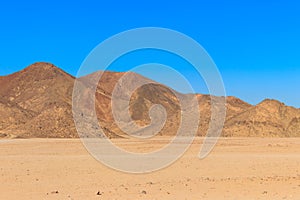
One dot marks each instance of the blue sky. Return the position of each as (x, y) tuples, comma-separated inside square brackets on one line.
[(255, 44)]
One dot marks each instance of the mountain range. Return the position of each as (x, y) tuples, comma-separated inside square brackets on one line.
[(37, 102)]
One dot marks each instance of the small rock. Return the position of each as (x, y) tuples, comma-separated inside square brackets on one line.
[(99, 193), (144, 192)]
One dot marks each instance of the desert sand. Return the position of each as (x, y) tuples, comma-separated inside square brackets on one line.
[(238, 168)]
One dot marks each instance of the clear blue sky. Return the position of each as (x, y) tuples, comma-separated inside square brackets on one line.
[(255, 44)]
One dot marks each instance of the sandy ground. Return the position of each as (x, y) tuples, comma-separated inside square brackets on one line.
[(238, 168)]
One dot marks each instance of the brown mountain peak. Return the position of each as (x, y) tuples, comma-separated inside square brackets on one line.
[(270, 103), (42, 69), (43, 65)]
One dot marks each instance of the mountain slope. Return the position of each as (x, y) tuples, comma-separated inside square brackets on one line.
[(268, 118), (37, 102)]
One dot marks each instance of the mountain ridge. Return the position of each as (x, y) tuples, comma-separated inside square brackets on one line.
[(37, 102), (117, 72)]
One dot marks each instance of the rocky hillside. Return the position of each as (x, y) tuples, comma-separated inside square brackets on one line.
[(37, 102)]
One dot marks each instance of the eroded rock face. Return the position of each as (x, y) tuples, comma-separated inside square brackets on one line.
[(37, 102)]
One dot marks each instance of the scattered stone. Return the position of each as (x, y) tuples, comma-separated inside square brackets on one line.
[(55, 192), (99, 193), (265, 192), (144, 192)]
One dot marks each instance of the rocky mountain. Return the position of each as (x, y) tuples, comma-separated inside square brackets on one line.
[(268, 118), (37, 102)]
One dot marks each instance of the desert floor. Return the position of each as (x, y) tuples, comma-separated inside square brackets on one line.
[(238, 168)]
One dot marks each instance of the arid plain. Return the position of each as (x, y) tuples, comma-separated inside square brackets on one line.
[(257, 157), (237, 168)]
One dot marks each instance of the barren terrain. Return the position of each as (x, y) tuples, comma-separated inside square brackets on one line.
[(238, 168), (36, 102)]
